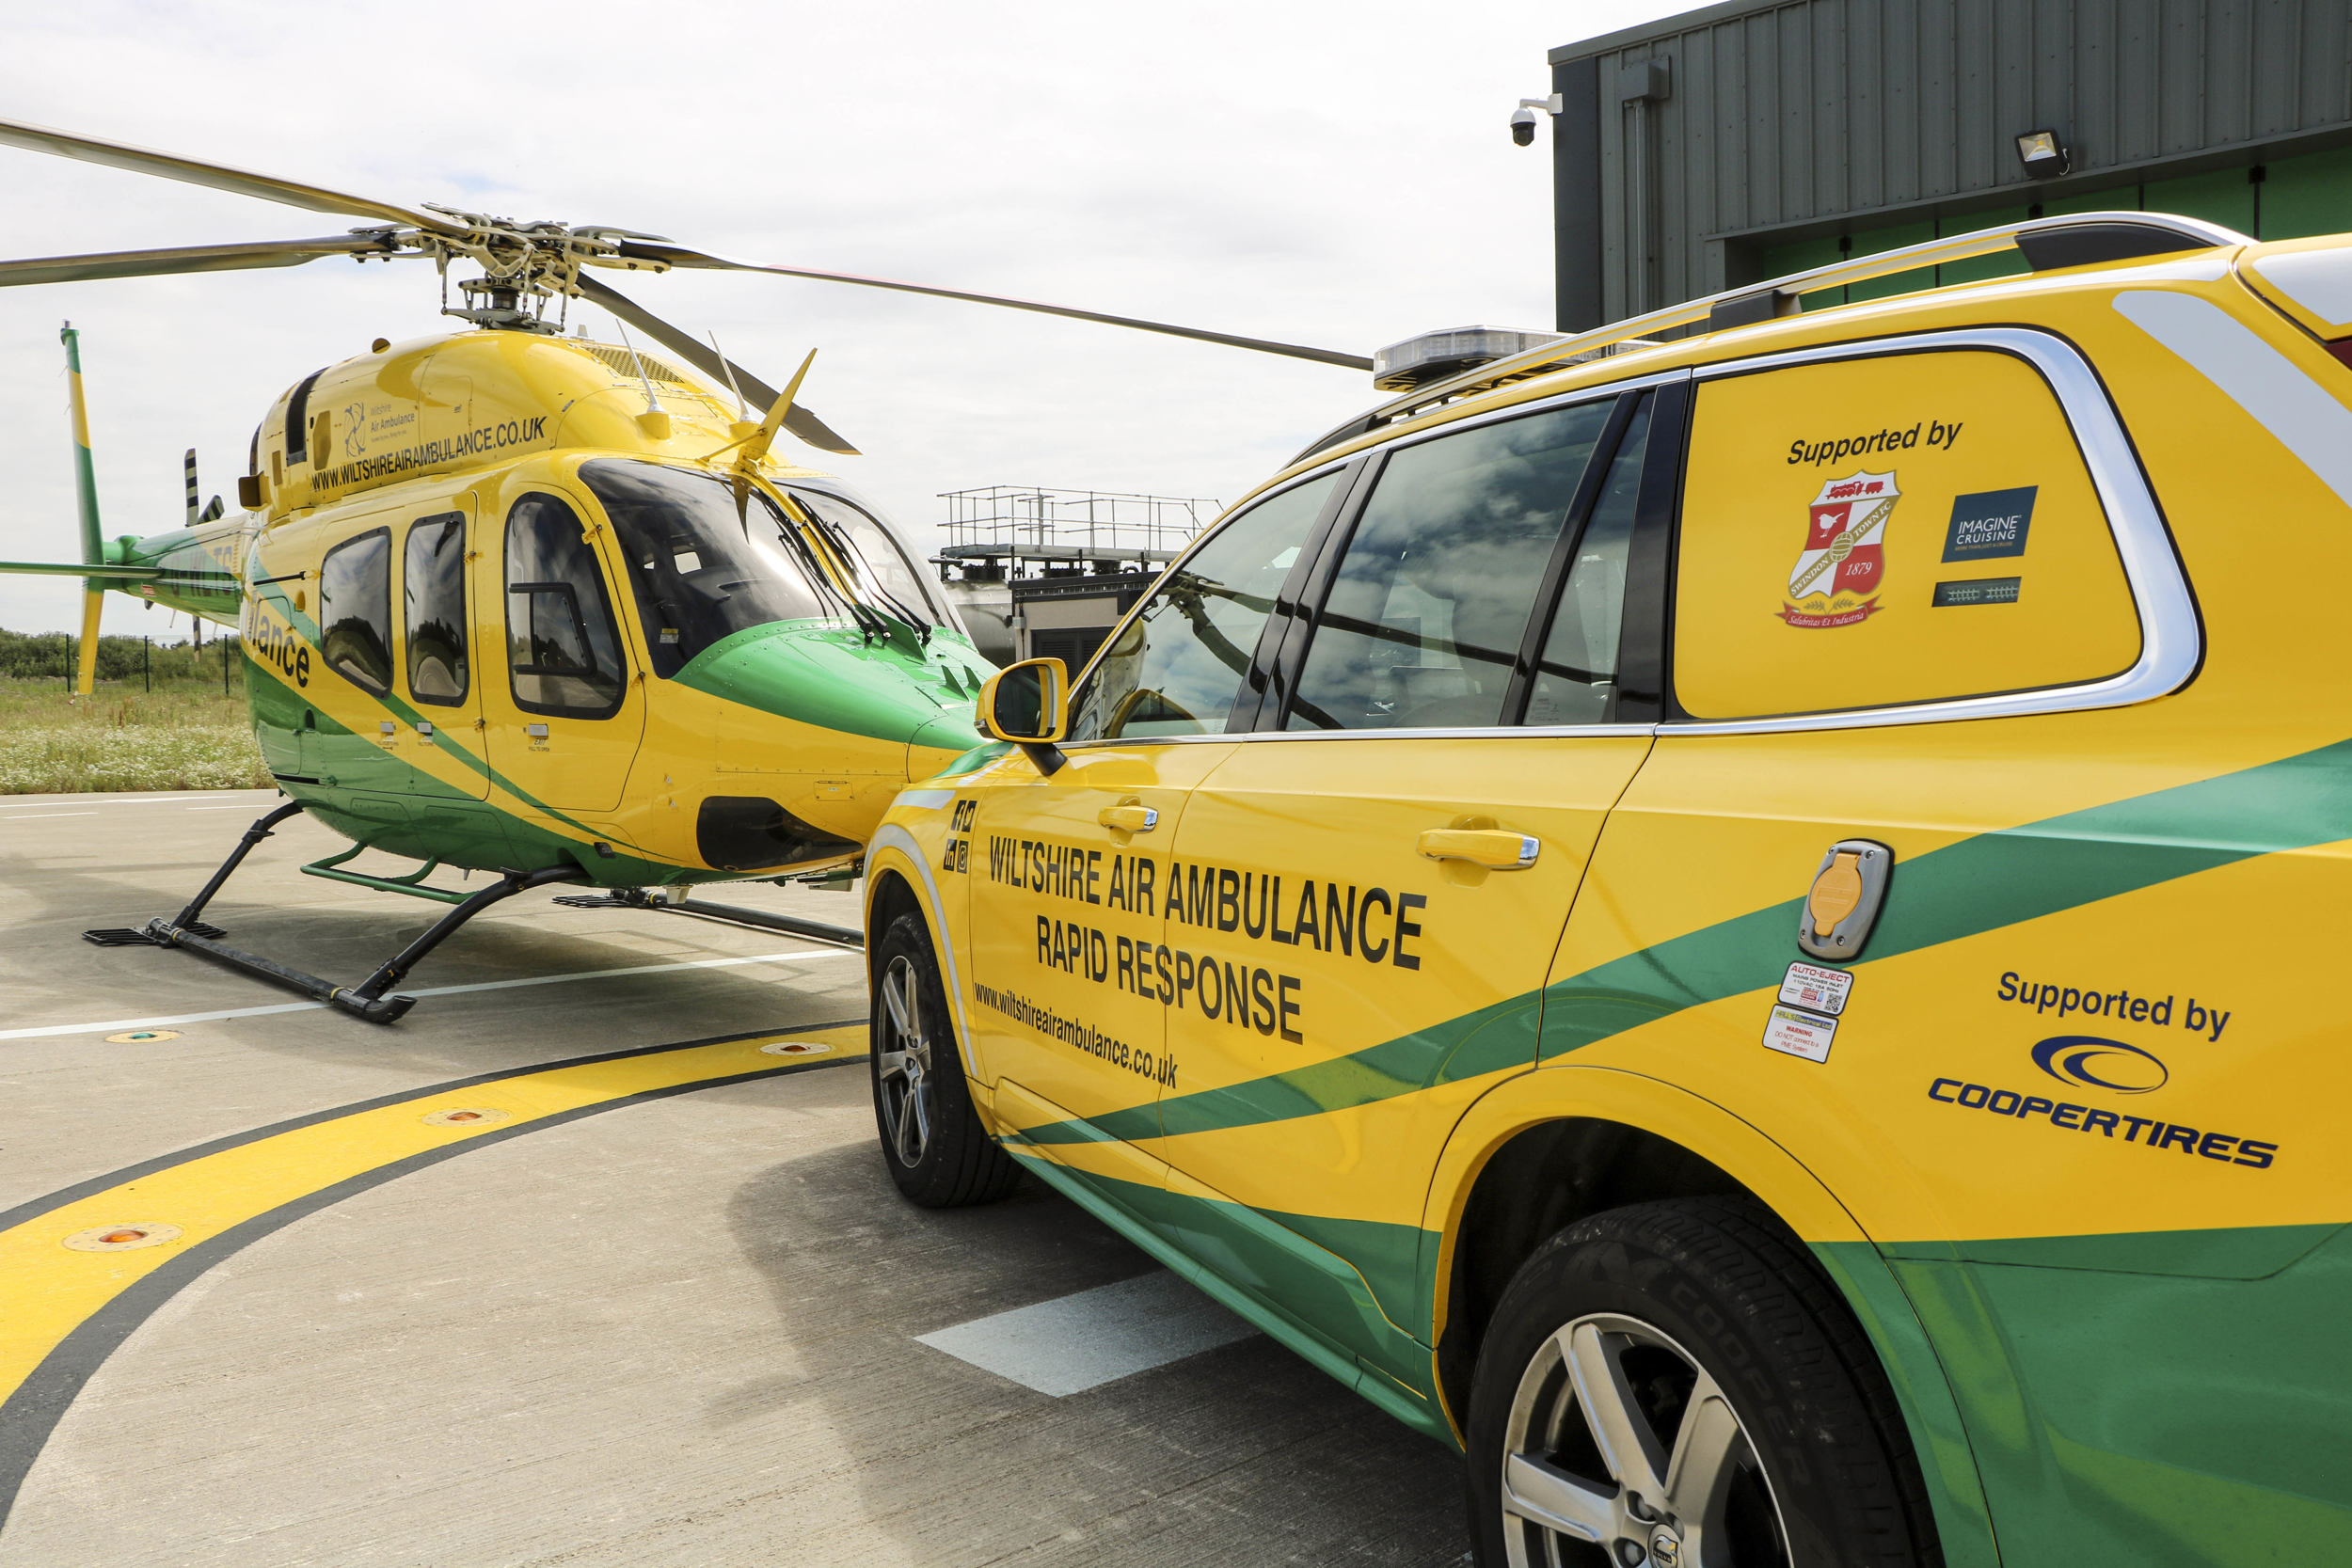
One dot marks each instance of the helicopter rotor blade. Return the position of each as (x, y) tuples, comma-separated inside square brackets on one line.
[(800, 421), (680, 255), (193, 258), (220, 177)]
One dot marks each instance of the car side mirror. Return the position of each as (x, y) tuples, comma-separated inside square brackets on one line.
[(1028, 704)]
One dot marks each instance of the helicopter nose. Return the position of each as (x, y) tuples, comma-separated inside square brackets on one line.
[(939, 743)]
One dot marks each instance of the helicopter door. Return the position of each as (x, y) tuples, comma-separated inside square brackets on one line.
[(562, 725), (437, 656)]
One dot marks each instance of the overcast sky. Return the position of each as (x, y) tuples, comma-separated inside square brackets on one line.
[(1331, 174)]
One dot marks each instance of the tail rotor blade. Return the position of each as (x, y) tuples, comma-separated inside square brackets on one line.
[(187, 465)]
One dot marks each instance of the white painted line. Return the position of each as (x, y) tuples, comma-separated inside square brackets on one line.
[(239, 807), (120, 801), (122, 1025), (1082, 1342), (44, 816)]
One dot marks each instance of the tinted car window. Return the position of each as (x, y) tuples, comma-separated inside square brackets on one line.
[(1175, 667), (563, 650), (355, 609), (1426, 615), (433, 585), (1576, 675)]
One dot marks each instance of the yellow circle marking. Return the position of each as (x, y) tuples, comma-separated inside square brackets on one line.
[(49, 1295), (143, 1037)]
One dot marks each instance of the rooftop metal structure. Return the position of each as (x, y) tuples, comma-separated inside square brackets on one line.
[(1014, 526)]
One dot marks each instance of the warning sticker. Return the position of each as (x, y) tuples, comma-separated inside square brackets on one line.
[(1800, 1034), (1819, 989)]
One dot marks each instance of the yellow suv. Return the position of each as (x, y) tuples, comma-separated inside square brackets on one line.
[(1741, 927)]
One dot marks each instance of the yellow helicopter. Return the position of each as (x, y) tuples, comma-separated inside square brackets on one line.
[(517, 601)]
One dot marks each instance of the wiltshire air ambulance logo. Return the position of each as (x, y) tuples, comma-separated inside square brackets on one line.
[(1837, 579)]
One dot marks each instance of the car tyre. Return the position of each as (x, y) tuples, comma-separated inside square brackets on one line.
[(939, 1154), (1678, 1385)]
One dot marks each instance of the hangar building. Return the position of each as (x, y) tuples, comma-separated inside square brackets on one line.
[(1751, 139)]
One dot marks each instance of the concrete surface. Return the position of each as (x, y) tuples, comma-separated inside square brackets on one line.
[(681, 1331)]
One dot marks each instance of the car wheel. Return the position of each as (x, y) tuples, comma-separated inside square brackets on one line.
[(1678, 1385), (932, 1140)]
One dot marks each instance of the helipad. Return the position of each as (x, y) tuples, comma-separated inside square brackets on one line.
[(590, 1259)]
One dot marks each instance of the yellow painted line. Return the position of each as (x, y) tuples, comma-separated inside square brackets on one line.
[(52, 1288)]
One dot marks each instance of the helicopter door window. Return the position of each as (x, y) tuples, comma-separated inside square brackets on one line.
[(433, 583), (1176, 667), (705, 560), (355, 609), (563, 649)]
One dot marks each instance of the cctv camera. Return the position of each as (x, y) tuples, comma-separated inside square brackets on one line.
[(1523, 126)]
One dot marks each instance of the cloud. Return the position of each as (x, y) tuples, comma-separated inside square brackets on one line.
[(1333, 174)]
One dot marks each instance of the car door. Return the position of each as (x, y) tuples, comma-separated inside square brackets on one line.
[(1071, 978), (1371, 888), (564, 717)]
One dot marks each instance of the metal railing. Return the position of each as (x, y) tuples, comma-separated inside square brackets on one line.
[(1016, 519)]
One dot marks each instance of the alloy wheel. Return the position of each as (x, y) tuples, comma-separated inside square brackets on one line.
[(903, 1065), (1621, 1449)]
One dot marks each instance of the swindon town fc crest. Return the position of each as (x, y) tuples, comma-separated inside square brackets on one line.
[(1842, 570)]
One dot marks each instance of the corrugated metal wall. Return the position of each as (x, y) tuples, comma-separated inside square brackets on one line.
[(1859, 113)]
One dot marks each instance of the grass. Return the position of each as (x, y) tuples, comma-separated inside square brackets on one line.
[(185, 735)]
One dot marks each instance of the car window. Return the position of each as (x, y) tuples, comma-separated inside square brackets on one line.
[(563, 650), (1899, 528), (1423, 624), (355, 609), (1176, 667), (1576, 675), (433, 587)]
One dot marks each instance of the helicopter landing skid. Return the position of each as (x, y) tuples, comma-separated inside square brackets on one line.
[(725, 914), (365, 1000)]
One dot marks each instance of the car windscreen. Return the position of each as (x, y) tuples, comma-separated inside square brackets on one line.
[(706, 559)]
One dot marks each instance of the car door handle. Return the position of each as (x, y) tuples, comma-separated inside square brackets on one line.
[(1129, 820), (1496, 849)]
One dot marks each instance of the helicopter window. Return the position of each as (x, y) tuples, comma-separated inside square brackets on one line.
[(881, 562), (298, 418), (705, 560), (1176, 667), (563, 649), (355, 609), (433, 583)]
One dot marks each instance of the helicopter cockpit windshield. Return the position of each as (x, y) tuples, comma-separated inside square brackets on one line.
[(877, 560), (706, 559)]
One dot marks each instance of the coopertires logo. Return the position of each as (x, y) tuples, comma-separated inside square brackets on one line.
[(2090, 1062)]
